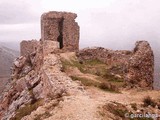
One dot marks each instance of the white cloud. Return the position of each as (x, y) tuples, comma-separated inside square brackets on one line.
[(102, 22), (115, 24), (17, 11), (74, 6)]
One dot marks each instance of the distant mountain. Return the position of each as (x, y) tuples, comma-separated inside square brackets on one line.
[(155, 46), (157, 70), (6, 59), (12, 45)]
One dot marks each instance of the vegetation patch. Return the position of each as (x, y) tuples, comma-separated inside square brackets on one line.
[(67, 64), (111, 78), (134, 106), (149, 101), (93, 62), (21, 112), (89, 66), (85, 81), (43, 116), (109, 87), (105, 79), (102, 85), (117, 109), (49, 108)]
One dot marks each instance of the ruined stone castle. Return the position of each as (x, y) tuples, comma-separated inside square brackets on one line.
[(60, 33), (58, 30), (37, 74), (136, 66)]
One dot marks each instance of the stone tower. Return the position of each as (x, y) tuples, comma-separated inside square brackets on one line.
[(62, 28)]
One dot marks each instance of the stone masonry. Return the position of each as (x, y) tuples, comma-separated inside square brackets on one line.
[(38, 73), (141, 66), (136, 65), (59, 32), (61, 27), (27, 47)]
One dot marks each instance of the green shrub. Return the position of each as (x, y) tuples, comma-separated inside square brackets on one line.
[(134, 106), (148, 101)]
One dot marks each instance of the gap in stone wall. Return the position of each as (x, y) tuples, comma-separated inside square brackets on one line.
[(60, 37)]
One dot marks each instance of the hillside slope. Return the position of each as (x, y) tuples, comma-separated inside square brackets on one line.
[(6, 60), (50, 94), (156, 50)]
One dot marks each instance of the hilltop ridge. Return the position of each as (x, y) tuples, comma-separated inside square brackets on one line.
[(7, 57), (54, 80)]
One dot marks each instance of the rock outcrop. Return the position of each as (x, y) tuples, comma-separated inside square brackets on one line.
[(136, 65), (27, 47)]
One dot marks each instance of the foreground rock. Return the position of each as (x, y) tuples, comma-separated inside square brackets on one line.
[(47, 83), (37, 75)]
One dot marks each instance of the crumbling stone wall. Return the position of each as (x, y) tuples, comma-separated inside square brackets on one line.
[(61, 27), (137, 65), (27, 47), (60, 32), (110, 57), (141, 66)]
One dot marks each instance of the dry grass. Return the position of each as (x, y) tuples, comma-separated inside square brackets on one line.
[(49, 108), (87, 66), (117, 109), (21, 112), (102, 85), (106, 80), (109, 87), (85, 81)]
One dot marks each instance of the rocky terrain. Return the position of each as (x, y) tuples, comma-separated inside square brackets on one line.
[(54, 80), (7, 57), (136, 66)]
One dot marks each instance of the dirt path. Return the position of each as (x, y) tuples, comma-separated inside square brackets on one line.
[(86, 106), (125, 97)]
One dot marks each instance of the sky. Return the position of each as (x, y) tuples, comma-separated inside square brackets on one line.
[(115, 24)]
